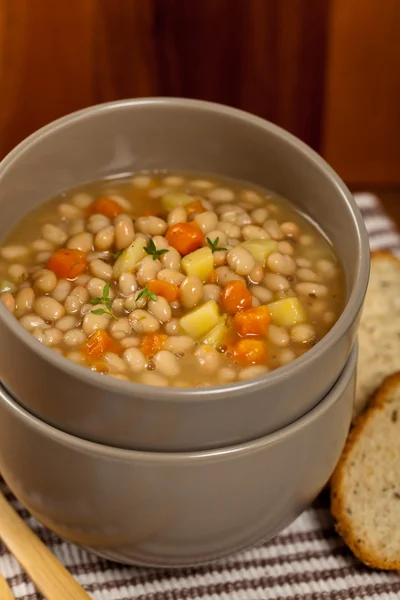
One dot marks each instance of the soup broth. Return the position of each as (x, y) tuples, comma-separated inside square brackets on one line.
[(171, 279)]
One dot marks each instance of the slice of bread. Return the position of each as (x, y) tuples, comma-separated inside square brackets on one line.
[(379, 331), (365, 487)]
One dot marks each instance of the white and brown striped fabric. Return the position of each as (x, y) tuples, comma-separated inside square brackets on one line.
[(308, 561)]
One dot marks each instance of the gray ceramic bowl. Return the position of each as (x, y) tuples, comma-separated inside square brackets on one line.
[(194, 136), (173, 509)]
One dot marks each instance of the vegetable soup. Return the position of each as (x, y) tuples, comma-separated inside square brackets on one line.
[(172, 279)]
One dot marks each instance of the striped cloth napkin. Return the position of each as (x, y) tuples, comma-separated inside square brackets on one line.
[(308, 561)]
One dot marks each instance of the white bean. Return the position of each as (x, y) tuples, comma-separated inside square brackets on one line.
[(221, 195), (278, 335), (302, 333), (151, 225), (171, 259), (254, 232), (45, 280), (231, 230), (8, 300), (306, 240), (115, 363), (13, 253), (170, 276), (61, 290), (160, 243), (104, 238), (263, 295), (52, 336), (285, 247), (275, 282), (42, 246), (211, 291), (202, 184), (30, 322), (127, 284), (179, 344), (158, 192), (82, 279), (48, 308), (97, 222), (311, 289), (76, 226), (303, 262), (225, 275), (177, 215), (273, 229), (92, 322), (240, 260), (101, 269), (143, 322), (43, 257), (256, 275), (281, 263), (251, 372), (95, 287), (82, 200), (148, 269), (207, 221), (54, 234), (166, 363), (69, 211), (160, 309), (217, 234), (123, 202), (219, 258), (243, 219), (66, 323), (76, 357), (81, 241), (130, 342), (327, 269), (173, 180), (118, 376), (226, 375), (286, 356), (24, 300), (251, 197), (120, 329), (124, 233), (191, 291), (290, 229), (259, 215), (307, 275), (118, 307), (142, 181), (208, 358), (135, 359)]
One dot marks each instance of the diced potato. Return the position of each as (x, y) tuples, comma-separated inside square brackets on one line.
[(173, 199), (201, 320), (260, 249), (287, 312), (200, 263), (130, 257), (218, 335)]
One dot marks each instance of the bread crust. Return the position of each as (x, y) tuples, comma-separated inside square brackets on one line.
[(343, 522)]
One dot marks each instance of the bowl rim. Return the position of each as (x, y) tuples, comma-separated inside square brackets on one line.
[(115, 453), (174, 394)]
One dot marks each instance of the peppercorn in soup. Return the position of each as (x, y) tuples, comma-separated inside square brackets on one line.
[(172, 280)]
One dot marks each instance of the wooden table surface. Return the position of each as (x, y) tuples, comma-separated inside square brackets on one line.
[(390, 200)]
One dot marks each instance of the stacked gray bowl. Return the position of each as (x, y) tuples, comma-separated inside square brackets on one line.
[(163, 476)]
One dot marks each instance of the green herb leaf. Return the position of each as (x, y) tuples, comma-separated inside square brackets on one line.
[(105, 301), (146, 293), (152, 250), (117, 254), (214, 245)]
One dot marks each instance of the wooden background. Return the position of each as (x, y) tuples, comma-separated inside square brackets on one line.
[(327, 70)]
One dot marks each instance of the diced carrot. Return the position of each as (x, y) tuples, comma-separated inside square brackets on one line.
[(98, 344), (152, 343), (253, 321), (67, 263), (195, 207), (213, 277), (235, 297), (250, 352), (184, 237), (169, 291), (107, 207)]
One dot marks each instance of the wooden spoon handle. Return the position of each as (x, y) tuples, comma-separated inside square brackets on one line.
[(46, 572), (5, 592)]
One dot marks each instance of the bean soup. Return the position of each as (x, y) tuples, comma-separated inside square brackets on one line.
[(172, 279)]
